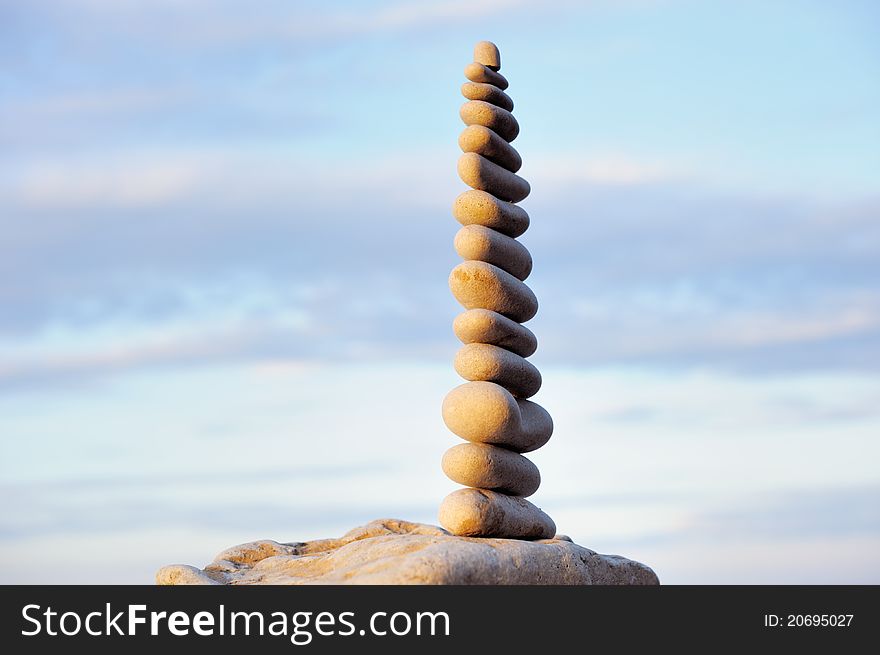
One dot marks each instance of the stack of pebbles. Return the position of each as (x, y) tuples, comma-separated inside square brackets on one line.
[(491, 411)]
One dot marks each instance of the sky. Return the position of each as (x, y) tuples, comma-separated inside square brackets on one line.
[(225, 235)]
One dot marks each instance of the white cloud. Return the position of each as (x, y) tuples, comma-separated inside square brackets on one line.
[(115, 182), (632, 273), (410, 14), (768, 329), (217, 324), (554, 170), (632, 324), (147, 177), (109, 101), (199, 21)]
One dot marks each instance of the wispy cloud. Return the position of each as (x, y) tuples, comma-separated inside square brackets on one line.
[(125, 179), (121, 184), (799, 514), (550, 170), (120, 179), (94, 103), (60, 367), (249, 325), (203, 23), (651, 270), (131, 184), (646, 326), (759, 329)]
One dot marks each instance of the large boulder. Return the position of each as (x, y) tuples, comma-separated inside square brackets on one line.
[(390, 551)]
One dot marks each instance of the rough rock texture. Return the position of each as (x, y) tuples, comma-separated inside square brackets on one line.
[(390, 551)]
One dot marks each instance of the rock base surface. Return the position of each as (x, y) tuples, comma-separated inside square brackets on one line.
[(391, 551)]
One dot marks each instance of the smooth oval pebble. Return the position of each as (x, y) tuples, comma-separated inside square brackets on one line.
[(487, 245), (486, 53), (488, 93), (483, 362), (484, 513), (479, 173), (485, 412), (484, 326), (483, 141), (500, 121), (476, 72), (475, 207), (490, 467), (478, 284)]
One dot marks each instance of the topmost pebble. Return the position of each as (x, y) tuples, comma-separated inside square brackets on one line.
[(486, 53)]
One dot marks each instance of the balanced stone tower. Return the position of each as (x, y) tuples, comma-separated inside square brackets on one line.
[(491, 411)]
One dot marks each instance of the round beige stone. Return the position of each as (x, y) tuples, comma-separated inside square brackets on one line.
[(485, 412), (480, 285), (490, 467), (483, 141), (487, 93), (483, 362), (476, 207), (486, 245), (486, 53), (481, 174), (484, 326), (477, 72), (484, 513), (500, 121)]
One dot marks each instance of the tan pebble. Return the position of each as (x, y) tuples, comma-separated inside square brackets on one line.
[(476, 207), (478, 284), (487, 245), (481, 174), (490, 467), (484, 326), (483, 513), (486, 53), (476, 72), (485, 412), (483, 141), (500, 121), (487, 93), (484, 362)]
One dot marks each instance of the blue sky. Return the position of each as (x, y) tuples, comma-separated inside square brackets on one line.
[(226, 237)]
